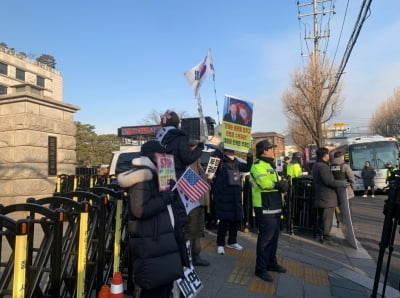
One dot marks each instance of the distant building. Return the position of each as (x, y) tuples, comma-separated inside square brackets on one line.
[(37, 132), (272, 137)]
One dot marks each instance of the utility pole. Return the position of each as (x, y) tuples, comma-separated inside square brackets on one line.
[(318, 9)]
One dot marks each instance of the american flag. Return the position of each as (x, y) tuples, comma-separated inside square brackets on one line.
[(192, 185)]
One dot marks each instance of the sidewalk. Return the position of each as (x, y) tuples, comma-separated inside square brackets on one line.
[(313, 269)]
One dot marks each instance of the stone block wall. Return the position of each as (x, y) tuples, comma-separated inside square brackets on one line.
[(26, 122)]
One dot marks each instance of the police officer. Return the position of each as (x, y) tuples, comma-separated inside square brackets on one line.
[(267, 203), (294, 169), (390, 171)]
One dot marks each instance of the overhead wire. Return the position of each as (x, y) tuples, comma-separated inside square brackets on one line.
[(362, 16)]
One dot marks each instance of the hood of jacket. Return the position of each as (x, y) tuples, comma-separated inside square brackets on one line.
[(142, 171), (167, 134)]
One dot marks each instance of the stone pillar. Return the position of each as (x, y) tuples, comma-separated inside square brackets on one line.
[(27, 120)]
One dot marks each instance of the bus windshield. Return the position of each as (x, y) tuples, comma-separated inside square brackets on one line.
[(377, 153)]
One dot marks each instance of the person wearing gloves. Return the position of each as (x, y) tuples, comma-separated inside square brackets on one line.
[(326, 199), (176, 142), (267, 190), (155, 226)]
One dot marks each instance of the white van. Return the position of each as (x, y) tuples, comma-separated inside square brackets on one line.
[(121, 161)]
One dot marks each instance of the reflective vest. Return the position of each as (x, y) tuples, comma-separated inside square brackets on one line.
[(263, 178), (294, 170)]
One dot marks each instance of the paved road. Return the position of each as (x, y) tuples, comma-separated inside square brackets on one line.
[(368, 220)]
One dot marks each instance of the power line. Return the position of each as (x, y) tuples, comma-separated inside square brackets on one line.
[(362, 16)]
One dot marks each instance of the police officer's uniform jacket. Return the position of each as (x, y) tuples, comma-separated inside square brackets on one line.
[(263, 178), (294, 170)]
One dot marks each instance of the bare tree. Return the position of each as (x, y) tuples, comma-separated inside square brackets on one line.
[(385, 120), (311, 101), (299, 134)]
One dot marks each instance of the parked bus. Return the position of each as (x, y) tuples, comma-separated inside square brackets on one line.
[(377, 150)]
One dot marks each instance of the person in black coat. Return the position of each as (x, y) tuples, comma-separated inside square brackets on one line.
[(227, 194), (177, 143), (368, 174), (155, 226), (326, 199)]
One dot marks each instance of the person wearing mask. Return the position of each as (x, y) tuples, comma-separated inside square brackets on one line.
[(155, 226), (368, 174), (233, 115), (176, 142), (326, 199), (267, 190), (227, 194), (194, 228)]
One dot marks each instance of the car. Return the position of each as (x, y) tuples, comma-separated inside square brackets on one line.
[(121, 161)]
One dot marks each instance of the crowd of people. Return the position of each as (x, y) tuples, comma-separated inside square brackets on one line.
[(162, 234)]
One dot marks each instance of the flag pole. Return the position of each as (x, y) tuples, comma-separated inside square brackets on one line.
[(216, 99), (203, 123)]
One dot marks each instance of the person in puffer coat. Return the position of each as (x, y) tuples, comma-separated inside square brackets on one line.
[(156, 243), (227, 194), (176, 142)]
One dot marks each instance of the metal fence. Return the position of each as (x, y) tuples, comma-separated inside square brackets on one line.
[(67, 245), (70, 244)]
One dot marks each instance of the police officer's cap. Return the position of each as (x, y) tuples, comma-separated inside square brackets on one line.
[(262, 145)]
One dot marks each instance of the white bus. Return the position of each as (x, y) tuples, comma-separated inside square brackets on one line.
[(377, 150)]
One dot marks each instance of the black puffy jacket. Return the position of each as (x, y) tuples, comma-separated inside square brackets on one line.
[(153, 240)]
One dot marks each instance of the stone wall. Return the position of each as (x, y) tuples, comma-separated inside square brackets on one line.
[(26, 122)]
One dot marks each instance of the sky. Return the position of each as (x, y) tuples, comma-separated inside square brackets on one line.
[(123, 59)]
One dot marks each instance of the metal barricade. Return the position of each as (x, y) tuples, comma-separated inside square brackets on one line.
[(97, 238), (75, 220), (302, 213), (43, 259), (13, 242)]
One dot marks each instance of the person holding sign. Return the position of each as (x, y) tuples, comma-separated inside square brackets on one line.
[(227, 194), (176, 142), (155, 226)]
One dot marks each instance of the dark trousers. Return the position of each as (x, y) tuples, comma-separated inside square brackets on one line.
[(267, 241), (225, 226), (159, 292), (366, 187), (325, 219)]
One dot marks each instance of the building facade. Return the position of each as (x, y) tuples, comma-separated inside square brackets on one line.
[(37, 131)]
